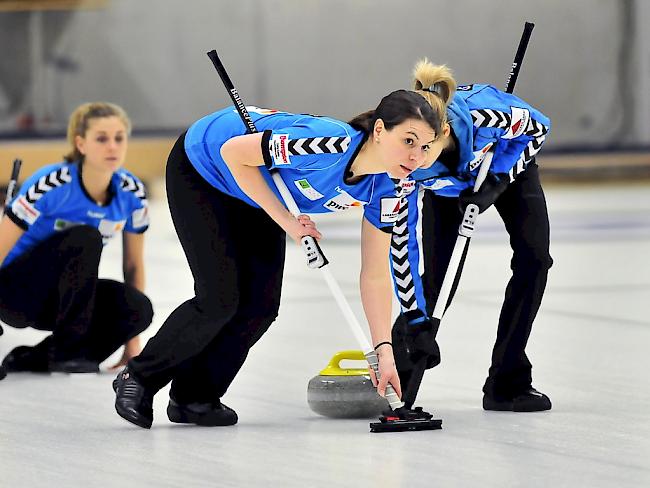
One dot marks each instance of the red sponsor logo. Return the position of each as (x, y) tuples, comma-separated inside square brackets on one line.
[(27, 207)]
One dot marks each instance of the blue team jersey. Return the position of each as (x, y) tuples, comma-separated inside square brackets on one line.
[(311, 154), (484, 118), (54, 199)]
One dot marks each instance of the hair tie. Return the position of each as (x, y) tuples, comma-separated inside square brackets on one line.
[(436, 89)]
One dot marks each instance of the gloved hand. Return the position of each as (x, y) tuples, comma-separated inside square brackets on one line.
[(413, 342), (491, 188)]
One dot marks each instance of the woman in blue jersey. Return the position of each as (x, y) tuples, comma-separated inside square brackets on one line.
[(480, 118), (232, 224), (51, 240)]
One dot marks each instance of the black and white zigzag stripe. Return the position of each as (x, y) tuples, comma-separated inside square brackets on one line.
[(527, 156), (400, 258), (535, 129), (495, 118), (48, 182), (318, 145), (131, 184), (485, 117)]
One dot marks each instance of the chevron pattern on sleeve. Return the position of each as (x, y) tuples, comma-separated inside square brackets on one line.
[(48, 182), (400, 258), (495, 118), (131, 184), (318, 145), (527, 155)]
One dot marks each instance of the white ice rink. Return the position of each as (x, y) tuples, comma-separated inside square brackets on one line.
[(589, 347)]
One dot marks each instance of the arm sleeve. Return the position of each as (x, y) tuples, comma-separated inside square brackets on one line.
[(138, 220), (311, 143), (41, 194)]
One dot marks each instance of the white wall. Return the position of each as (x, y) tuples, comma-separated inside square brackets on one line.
[(338, 57)]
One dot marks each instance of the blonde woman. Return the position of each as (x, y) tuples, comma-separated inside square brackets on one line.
[(51, 240)]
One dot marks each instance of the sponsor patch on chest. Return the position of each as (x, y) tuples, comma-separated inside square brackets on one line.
[(108, 228), (342, 201), (390, 207), (306, 189)]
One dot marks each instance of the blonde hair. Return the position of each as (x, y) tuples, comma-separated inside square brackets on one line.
[(436, 84), (80, 120)]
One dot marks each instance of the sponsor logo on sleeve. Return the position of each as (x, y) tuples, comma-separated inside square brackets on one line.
[(390, 209), (518, 123), (306, 189), (140, 217), (342, 201), (278, 147), (479, 156), (25, 210)]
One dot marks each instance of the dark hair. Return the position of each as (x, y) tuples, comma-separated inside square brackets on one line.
[(395, 108)]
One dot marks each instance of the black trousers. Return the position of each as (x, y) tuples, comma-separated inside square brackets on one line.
[(523, 210), (55, 287), (236, 255)]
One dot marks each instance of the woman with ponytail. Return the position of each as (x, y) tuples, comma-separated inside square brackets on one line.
[(480, 118), (51, 240)]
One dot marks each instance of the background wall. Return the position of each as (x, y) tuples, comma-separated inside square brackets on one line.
[(587, 67)]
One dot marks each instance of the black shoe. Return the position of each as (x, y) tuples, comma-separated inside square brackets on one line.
[(3, 372), (25, 359), (530, 400), (133, 402), (80, 365), (206, 414)]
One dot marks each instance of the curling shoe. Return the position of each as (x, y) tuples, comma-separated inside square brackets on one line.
[(205, 414), (133, 402), (78, 365), (3, 372), (529, 400), (25, 359)]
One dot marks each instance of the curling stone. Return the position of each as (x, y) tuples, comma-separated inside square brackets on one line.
[(345, 393)]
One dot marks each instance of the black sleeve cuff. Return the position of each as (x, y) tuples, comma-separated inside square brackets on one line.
[(19, 222), (266, 137)]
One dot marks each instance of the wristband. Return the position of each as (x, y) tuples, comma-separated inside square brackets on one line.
[(383, 343)]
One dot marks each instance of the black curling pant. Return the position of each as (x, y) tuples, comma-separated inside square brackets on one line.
[(55, 287), (236, 255), (523, 209)]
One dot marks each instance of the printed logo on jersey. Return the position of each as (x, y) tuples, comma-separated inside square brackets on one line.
[(140, 217), (96, 215), (279, 149), (342, 201), (518, 122), (438, 184), (479, 156), (108, 228), (261, 111), (407, 187), (306, 189), (25, 210), (62, 224), (390, 207), (464, 87)]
